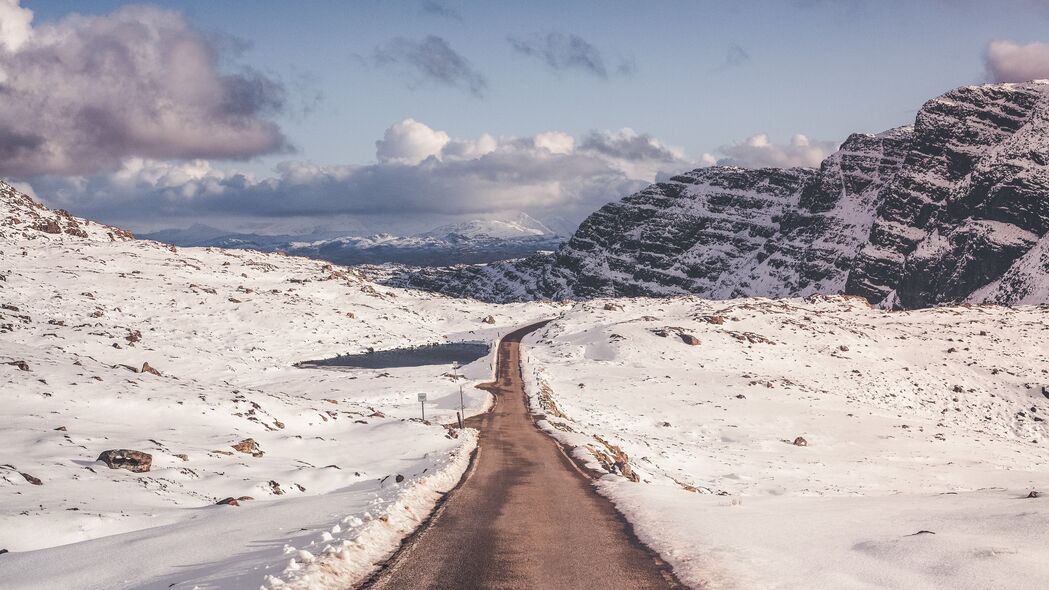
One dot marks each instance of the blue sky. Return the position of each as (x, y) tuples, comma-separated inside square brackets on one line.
[(697, 76)]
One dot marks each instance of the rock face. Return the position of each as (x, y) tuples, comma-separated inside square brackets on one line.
[(135, 461), (954, 208)]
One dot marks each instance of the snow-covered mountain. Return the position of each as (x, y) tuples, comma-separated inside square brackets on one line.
[(953, 208), (521, 226), (471, 242)]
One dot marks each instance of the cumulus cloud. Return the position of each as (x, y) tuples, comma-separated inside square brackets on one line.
[(560, 51), (758, 152), (1011, 62), (410, 142), (420, 173), (432, 59), (85, 93)]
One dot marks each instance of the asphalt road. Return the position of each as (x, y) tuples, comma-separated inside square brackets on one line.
[(524, 516)]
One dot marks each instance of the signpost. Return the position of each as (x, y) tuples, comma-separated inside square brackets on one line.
[(462, 408), (422, 404)]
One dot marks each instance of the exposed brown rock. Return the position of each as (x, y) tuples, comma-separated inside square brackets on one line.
[(148, 369), (228, 502), (800, 442), (22, 365), (248, 446), (135, 461), (489, 320), (33, 480), (689, 339), (50, 227)]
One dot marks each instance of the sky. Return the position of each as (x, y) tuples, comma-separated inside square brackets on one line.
[(372, 116)]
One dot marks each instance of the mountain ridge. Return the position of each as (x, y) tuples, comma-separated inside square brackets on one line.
[(954, 208), (470, 242)]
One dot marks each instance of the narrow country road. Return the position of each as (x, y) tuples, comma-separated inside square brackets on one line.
[(524, 517)]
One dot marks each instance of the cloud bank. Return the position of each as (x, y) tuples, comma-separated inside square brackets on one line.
[(1011, 62), (83, 94), (419, 172)]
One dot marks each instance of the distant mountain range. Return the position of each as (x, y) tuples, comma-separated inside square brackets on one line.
[(471, 242), (954, 208)]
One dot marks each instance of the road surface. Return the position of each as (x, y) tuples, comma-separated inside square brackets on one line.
[(524, 516)]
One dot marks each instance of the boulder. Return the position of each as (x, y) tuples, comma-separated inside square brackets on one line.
[(148, 369), (800, 442), (228, 502), (689, 339), (135, 461), (489, 320)]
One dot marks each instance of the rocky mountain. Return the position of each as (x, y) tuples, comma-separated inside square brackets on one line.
[(471, 242), (953, 208)]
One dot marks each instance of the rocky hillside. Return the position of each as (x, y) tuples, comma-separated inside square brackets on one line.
[(954, 208)]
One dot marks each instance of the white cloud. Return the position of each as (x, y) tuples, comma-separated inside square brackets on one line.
[(1011, 62), (15, 24), (555, 142), (757, 151), (83, 94), (410, 142)]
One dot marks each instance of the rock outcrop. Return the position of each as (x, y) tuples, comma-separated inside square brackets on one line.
[(135, 461)]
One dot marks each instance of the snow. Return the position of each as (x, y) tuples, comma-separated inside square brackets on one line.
[(516, 227), (224, 329), (915, 421), (925, 431)]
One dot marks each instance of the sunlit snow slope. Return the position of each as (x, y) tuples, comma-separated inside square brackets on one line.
[(83, 307), (934, 420)]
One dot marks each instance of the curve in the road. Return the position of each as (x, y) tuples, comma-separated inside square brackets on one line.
[(523, 516)]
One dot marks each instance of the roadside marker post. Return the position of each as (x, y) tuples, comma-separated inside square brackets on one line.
[(462, 407), (422, 404)]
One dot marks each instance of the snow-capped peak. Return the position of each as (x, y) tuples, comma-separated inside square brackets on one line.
[(519, 226)]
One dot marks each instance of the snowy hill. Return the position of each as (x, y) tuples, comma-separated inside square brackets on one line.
[(922, 435), (954, 208), (520, 227), (109, 343), (471, 242)]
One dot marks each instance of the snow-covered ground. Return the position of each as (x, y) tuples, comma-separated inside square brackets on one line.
[(83, 309), (925, 435)]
